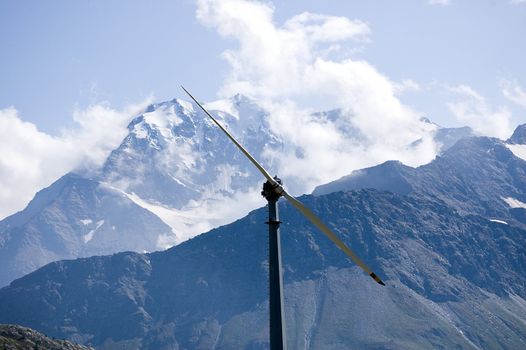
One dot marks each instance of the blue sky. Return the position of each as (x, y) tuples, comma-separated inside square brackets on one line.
[(74, 72), (62, 55)]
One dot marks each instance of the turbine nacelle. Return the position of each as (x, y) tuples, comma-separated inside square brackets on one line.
[(273, 190), (274, 185)]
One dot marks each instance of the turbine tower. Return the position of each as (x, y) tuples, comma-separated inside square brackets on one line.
[(273, 191)]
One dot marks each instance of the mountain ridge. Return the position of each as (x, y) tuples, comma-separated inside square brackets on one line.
[(85, 214), (478, 175), (216, 280), (449, 247), (174, 170)]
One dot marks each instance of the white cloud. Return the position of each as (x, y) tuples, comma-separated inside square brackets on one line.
[(439, 2), (473, 110), (407, 85), (271, 57), (518, 1), (296, 68), (513, 92), (31, 159)]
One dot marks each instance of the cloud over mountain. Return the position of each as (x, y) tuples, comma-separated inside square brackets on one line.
[(472, 109), (308, 64), (31, 159), (293, 68)]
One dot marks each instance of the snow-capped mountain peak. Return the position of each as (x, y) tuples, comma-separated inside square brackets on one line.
[(160, 120), (172, 177), (175, 160)]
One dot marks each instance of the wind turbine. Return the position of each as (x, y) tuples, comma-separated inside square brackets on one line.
[(273, 191)]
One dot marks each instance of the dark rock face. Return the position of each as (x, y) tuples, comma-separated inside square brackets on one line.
[(449, 239), (478, 175), (519, 135), (172, 159), (14, 337), (447, 276), (390, 176), (447, 137)]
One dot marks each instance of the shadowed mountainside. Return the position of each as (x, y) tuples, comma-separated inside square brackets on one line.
[(453, 281), (478, 175), (448, 238)]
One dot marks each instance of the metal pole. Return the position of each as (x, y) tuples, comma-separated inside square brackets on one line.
[(276, 309)]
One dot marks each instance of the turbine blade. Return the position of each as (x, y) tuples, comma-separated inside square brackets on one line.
[(245, 152), (316, 221), (296, 203)]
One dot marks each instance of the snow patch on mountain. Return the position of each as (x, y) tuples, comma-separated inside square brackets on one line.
[(160, 121), (188, 107), (518, 150), (86, 222), (163, 117), (89, 236), (514, 203), (139, 131), (167, 215), (225, 105)]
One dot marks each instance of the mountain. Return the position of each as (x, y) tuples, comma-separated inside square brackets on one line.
[(452, 281), (447, 137), (478, 175), (13, 337), (517, 142), (75, 217), (519, 136), (455, 278), (173, 153), (172, 177)]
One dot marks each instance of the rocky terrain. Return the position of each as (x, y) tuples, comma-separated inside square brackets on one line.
[(172, 177), (167, 181), (14, 337), (455, 278)]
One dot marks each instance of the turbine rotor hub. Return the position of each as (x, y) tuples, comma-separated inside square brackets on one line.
[(272, 191)]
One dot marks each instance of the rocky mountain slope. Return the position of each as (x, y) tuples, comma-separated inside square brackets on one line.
[(75, 217), (455, 278), (172, 177), (478, 175), (174, 154), (519, 136), (14, 337)]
